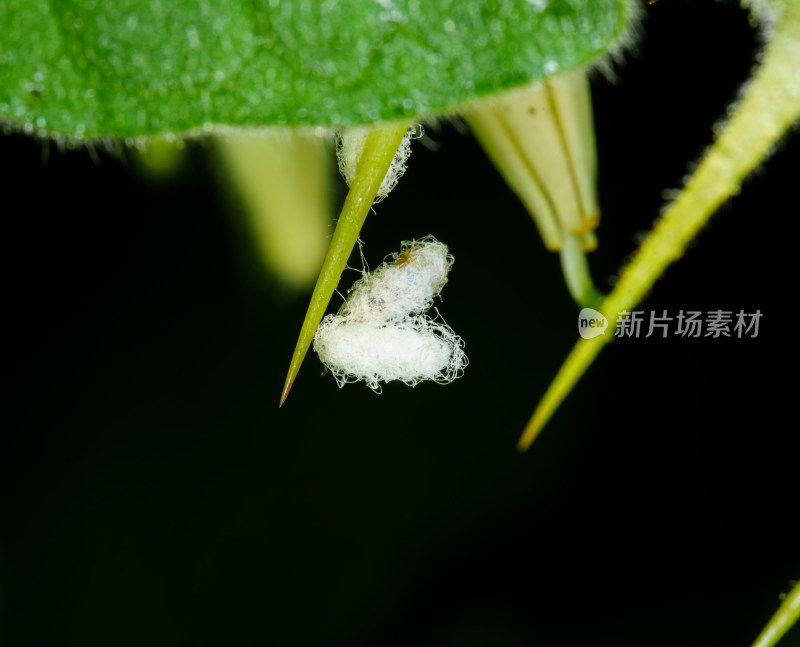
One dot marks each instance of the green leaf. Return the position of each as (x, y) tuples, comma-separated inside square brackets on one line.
[(86, 68)]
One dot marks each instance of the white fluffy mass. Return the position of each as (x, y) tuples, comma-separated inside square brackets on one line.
[(382, 332), (351, 144)]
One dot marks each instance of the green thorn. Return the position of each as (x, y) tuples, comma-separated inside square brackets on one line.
[(786, 615), (376, 158)]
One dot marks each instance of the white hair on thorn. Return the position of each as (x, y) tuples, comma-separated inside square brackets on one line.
[(351, 144), (382, 332)]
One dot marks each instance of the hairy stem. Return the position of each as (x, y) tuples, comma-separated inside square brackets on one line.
[(786, 615), (769, 107)]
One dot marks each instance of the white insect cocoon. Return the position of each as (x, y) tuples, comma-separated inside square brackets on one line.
[(382, 333), (350, 145)]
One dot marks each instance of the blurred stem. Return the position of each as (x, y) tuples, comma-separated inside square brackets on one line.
[(769, 107), (541, 139), (160, 156), (786, 615), (576, 273), (379, 151), (283, 177)]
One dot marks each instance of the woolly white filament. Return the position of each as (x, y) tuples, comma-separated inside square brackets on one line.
[(350, 145), (382, 332), (404, 286)]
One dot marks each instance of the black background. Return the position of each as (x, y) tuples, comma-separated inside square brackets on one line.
[(153, 493)]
